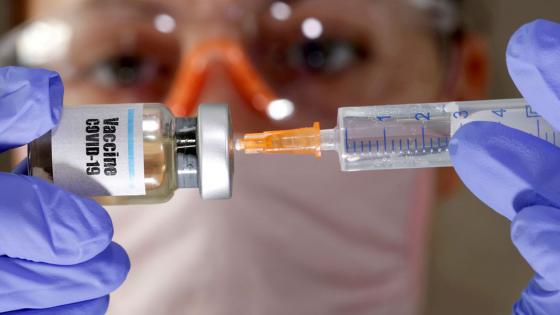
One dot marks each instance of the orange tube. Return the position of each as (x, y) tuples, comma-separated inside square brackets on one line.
[(193, 71), (188, 83), (246, 79)]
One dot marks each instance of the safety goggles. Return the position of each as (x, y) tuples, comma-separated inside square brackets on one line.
[(282, 58)]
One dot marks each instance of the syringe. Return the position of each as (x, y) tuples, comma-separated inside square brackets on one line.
[(398, 136)]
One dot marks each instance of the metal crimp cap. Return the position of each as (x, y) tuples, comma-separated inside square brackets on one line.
[(215, 151)]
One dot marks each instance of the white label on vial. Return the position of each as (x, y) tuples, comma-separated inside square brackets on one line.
[(98, 150)]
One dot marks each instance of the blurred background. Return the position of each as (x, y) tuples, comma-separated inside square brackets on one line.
[(473, 268)]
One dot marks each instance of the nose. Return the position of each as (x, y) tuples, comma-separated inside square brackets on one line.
[(220, 89)]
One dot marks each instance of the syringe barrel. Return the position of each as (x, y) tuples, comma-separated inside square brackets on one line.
[(418, 135)]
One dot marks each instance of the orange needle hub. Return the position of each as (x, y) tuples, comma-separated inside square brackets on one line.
[(294, 141)]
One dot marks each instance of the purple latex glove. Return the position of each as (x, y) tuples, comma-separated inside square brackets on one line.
[(56, 254), (517, 174)]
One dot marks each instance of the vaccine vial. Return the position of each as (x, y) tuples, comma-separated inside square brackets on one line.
[(136, 153)]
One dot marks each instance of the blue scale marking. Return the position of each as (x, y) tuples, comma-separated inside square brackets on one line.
[(377, 143), (347, 145), (355, 151), (385, 139), (408, 144), (393, 145), (431, 143), (416, 144), (400, 144), (423, 138), (362, 146), (369, 146)]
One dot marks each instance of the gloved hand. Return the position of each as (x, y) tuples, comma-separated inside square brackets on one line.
[(517, 174), (56, 254)]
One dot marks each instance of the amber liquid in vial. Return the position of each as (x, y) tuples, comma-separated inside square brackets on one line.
[(159, 144)]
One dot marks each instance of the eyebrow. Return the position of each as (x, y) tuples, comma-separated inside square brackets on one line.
[(148, 5)]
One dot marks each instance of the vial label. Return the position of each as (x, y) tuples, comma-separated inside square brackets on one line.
[(98, 150)]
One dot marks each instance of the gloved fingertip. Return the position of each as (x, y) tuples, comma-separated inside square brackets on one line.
[(60, 227), (538, 298), (56, 96), (534, 66), (90, 226), (92, 307), (506, 168), (465, 140), (535, 231), (533, 40), (50, 285), (117, 267), (459, 138), (469, 152), (30, 104)]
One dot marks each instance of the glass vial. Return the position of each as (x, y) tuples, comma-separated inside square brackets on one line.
[(136, 153)]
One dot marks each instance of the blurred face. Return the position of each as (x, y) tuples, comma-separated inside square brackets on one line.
[(319, 54)]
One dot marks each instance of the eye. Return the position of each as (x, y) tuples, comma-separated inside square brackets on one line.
[(127, 70), (284, 55), (326, 56)]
